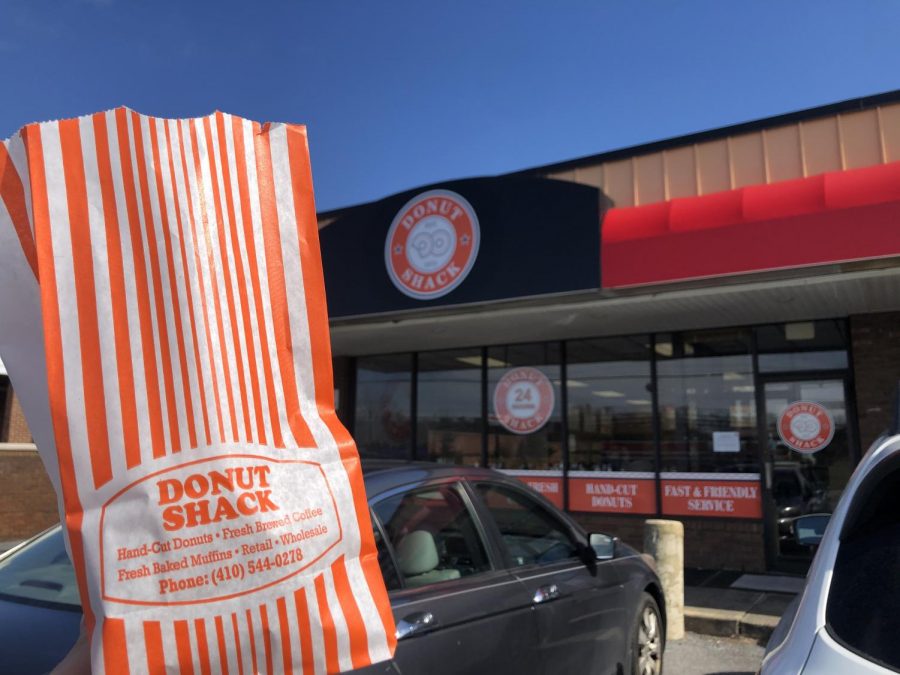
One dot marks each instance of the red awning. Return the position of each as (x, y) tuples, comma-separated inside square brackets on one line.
[(829, 218)]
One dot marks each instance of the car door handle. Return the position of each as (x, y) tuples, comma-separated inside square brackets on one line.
[(546, 593), (415, 623)]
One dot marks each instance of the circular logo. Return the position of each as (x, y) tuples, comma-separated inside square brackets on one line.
[(806, 427), (523, 400), (432, 244)]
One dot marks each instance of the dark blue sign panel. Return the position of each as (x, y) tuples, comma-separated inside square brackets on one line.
[(466, 241)]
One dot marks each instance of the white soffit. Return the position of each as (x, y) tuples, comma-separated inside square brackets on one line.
[(831, 295)]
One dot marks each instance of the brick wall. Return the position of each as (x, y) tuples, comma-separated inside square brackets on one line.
[(16, 428), (27, 499), (708, 543), (724, 544), (876, 365), (5, 405)]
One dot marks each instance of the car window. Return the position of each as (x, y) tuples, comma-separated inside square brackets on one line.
[(40, 573), (530, 533), (388, 569), (863, 596), (433, 535)]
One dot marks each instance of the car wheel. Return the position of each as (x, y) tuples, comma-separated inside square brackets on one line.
[(647, 639)]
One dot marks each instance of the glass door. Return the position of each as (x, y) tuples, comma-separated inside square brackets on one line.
[(809, 458)]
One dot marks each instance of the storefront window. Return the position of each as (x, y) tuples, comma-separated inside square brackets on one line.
[(804, 345), (525, 423), (449, 427), (525, 415), (610, 405), (383, 404), (707, 402), (695, 454), (612, 449)]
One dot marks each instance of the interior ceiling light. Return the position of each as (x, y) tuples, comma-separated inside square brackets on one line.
[(730, 376), (664, 348), (638, 401), (803, 330), (476, 361), (608, 393)]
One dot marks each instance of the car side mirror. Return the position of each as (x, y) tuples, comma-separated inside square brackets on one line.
[(809, 529), (603, 545)]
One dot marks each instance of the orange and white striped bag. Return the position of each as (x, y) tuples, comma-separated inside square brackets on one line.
[(163, 319)]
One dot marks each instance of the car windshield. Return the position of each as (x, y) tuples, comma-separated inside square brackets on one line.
[(40, 573)]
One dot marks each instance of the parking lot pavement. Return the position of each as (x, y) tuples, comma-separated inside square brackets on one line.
[(705, 655)]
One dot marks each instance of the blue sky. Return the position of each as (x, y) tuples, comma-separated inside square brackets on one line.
[(398, 94)]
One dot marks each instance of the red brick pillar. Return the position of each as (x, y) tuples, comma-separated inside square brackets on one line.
[(876, 366)]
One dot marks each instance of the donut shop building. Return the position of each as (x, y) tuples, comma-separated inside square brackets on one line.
[(705, 328)]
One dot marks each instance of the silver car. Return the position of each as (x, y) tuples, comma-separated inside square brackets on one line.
[(847, 620)]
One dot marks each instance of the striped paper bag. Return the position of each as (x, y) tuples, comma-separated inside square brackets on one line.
[(164, 325)]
